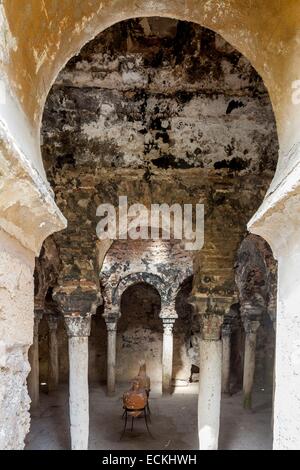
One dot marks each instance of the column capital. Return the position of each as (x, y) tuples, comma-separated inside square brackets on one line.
[(52, 321), (111, 326), (251, 312), (250, 326), (111, 314), (226, 329), (168, 324), (211, 326), (229, 323), (205, 303), (78, 326)]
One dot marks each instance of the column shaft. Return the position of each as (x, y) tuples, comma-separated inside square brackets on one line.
[(79, 392), (249, 362), (209, 394), (226, 350), (78, 329), (167, 356), (111, 357), (53, 364)]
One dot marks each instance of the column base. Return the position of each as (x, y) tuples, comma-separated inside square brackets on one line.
[(247, 401)]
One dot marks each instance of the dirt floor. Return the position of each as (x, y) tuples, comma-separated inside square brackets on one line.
[(174, 422)]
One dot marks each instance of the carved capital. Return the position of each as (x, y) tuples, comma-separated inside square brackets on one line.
[(251, 311), (211, 327), (251, 326), (230, 321), (111, 327), (226, 329), (211, 304), (52, 321), (111, 314), (78, 326), (168, 324)]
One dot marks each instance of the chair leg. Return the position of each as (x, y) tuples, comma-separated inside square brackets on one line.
[(125, 425), (132, 423), (149, 412), (145, 416)]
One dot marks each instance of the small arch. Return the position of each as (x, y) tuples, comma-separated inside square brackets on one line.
[(139, 278)]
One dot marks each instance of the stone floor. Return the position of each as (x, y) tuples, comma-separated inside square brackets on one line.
[(174, 422)]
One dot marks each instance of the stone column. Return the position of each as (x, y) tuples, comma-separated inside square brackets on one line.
[(111, 356), (251, 328), (209, 401), (78, 330), (167, 355), (33, 380), (226, 350), (53, 366)]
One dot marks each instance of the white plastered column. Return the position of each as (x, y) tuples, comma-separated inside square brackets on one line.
[(211, 312), (111, 325), (167, 355), (210, 382), (78, 330)]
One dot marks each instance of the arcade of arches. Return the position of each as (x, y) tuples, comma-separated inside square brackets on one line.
[(178, 102)]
